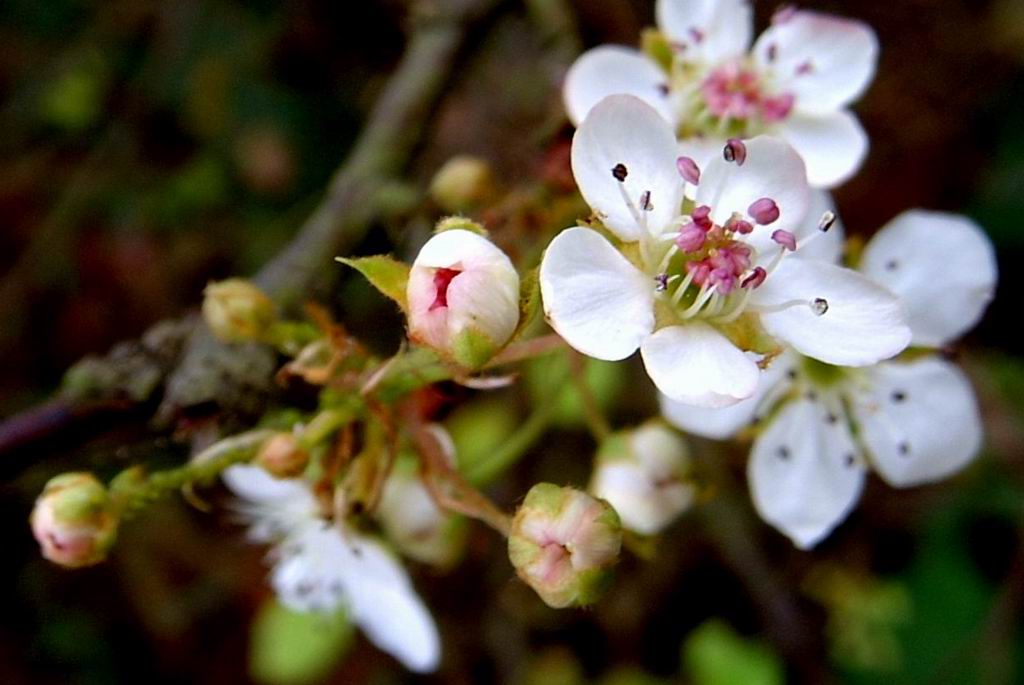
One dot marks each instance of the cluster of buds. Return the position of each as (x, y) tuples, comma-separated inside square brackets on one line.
[(74, 520), (564, 543)]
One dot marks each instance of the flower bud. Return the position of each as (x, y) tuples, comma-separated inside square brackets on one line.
[(563, 544), (645, 474), (237, 311), (414, 523), (73, 520), (462, 183), (282, 456), (463, 297)]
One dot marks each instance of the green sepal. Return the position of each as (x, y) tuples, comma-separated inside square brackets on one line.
[(656, 45), (529, 302), (386, 274), (452, 223), (472, 349)]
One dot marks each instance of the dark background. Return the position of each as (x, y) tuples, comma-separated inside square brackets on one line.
[(147, 147)]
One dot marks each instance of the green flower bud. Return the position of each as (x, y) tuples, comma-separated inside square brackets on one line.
[(462, 183), (283, 456), (237, 311), (73, 520), (563, 544)]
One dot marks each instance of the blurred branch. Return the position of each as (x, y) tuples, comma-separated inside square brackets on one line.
[(212, 373)]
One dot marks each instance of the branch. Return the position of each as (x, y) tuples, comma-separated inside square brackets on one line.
[(234, 377)]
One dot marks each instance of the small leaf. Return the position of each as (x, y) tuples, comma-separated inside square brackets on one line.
[(715, 655), (385, 274), (529, 301), (292, 648)]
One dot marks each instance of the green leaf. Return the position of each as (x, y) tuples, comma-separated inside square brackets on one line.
[(385, 274), (291, 648), (714, 654)]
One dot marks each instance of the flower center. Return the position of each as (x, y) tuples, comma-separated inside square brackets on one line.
[(442, 279)]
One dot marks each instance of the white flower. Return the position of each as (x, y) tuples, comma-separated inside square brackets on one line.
[(696, 286), (796, 81), (463, 296), (916, 421), (323, 567), (645, 474)]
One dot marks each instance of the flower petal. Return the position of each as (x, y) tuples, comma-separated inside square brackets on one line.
[(593, 297), (827, 247), (623, 129), (724, 423), (613, 70), (919, 421), (804, 475), (864, 323), (711, 30), (824, 60), (833, 145), (942, 265), (773, 169), (697, 365), (385, 605), (273, 507)]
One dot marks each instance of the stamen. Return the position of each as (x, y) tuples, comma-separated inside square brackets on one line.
[(804, 68), (735, 151), (691, 238), (826, 221), (662, 282), (702, 217), (738, 225), (645, 201), (619, 171), (706, 291), (688, 169), (773, 52), (785, 238), (764, 211), (755, 279), (819, 306), (696, 34)]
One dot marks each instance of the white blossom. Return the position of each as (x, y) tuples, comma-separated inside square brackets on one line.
[(913, 421), (797, 81), (699, 286), (324, 566)]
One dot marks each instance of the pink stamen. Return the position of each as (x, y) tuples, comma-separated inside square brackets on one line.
[(804, 68), (691, 238), (735, 151), (702, 217), (764, 211), (442, 279), (688, 169), (700, 270), (740, 226), (755, 279), (785, 238), (723, 280), (784, 14), (696, 34)]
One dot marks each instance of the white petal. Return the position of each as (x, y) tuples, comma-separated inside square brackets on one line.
[(773, 169), (273, 507), (593, 297), (711, 30), (697, 365), (642, 506), (385, 605), (811, 242), (462, 249), (824, 60), (613, 70), (919, 421), (833, 145), (942, 265), (804, 475), (622, 129), (485, 300), (724, 423), (864, 323)]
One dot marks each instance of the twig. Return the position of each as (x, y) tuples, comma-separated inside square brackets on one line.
[(350, 206)]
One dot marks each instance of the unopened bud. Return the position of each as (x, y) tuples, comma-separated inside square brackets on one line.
[(463, 296), (237, 311), (564, 543), (73, 520), (462, 183), (283, 456), (645, 474)]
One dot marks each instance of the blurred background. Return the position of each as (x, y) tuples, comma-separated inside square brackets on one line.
[(147, 148)]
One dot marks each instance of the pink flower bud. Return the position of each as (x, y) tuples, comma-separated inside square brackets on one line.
[(463, 297), (688, 169), (563, 544), (73, 520), (764, 211)]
